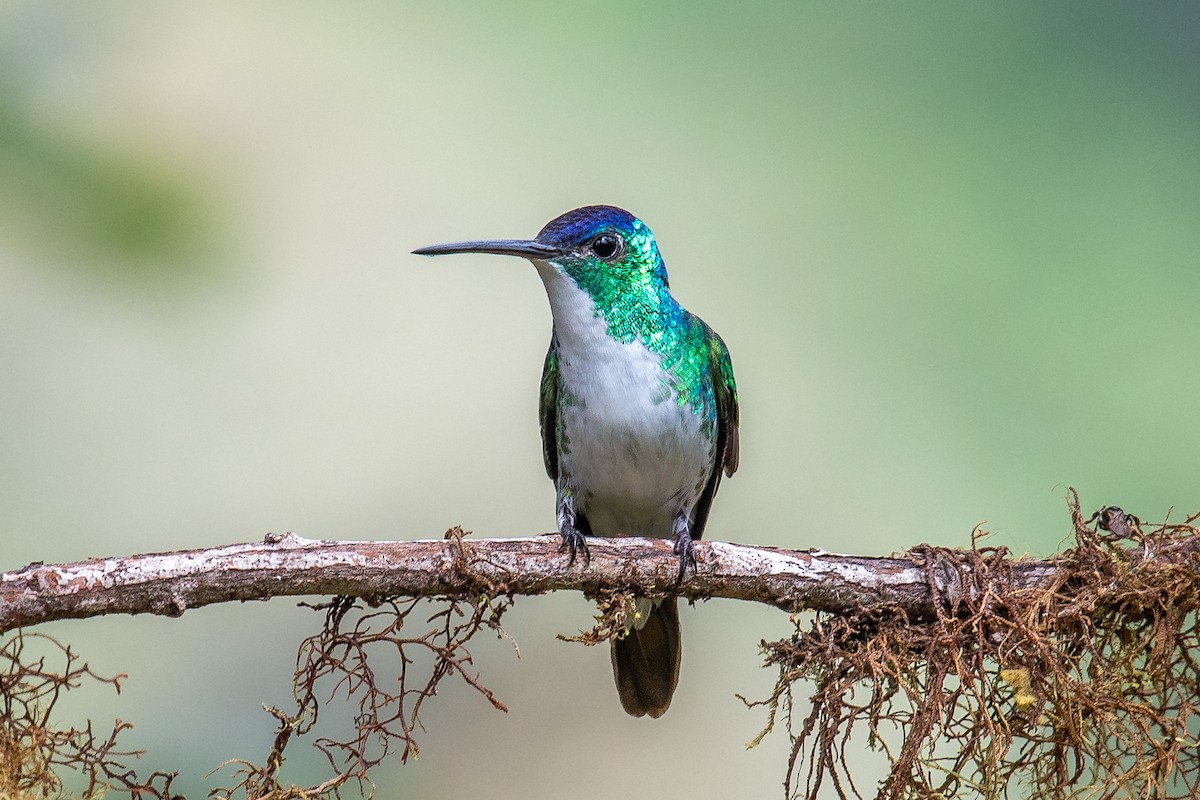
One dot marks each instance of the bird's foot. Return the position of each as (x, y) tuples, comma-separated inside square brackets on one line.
[(574, 541), (685, 549)]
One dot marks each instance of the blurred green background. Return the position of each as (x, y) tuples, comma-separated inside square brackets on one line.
[(953, 249)]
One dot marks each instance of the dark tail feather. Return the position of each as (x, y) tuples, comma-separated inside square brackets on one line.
[(646, 662)]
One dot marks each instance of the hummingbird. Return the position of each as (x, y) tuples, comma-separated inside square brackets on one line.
[(638, 414)]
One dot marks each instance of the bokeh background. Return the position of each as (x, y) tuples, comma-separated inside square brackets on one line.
[(953, 250)]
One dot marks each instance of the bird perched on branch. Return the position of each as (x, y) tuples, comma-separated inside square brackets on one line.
[(639, 413)]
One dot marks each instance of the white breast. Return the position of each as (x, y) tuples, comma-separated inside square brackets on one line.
[(633, 456)]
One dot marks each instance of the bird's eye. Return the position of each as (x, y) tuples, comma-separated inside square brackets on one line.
[(606, 246)]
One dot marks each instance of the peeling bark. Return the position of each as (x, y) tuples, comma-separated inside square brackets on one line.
[(289, 565)]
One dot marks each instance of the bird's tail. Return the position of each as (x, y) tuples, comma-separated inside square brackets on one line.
[(646, 661)]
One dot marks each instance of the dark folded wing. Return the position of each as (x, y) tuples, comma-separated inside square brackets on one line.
[(725, 450), (548, 410)]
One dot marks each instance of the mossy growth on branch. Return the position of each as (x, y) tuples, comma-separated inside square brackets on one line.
[(1088, 687)]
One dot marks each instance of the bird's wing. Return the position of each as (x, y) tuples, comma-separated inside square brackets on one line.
[(725, 450), (548, 410), (725, 391)]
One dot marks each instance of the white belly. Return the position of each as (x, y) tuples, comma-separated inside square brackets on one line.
[(631, 454)]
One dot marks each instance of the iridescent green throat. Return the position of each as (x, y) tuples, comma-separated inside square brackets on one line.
[(633, 297)]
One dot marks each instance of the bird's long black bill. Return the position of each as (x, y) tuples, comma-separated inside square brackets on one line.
[(526, 248)]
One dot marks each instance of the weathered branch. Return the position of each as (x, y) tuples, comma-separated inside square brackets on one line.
[(171, 583), (1081, 668)]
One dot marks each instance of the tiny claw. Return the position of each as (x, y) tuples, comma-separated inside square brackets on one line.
[(686, 552), (574, 541)]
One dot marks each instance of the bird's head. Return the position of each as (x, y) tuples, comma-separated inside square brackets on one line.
[(604, 249)]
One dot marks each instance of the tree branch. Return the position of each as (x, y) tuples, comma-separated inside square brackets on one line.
[(1081, 667), (171, 583)]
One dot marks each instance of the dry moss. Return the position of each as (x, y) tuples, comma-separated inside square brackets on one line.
[(1085, 687)]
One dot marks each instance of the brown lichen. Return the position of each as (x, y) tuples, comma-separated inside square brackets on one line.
[(35, 671), (1086, 687)]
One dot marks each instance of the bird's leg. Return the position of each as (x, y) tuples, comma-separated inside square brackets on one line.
[(573, 539), (683, 545)]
